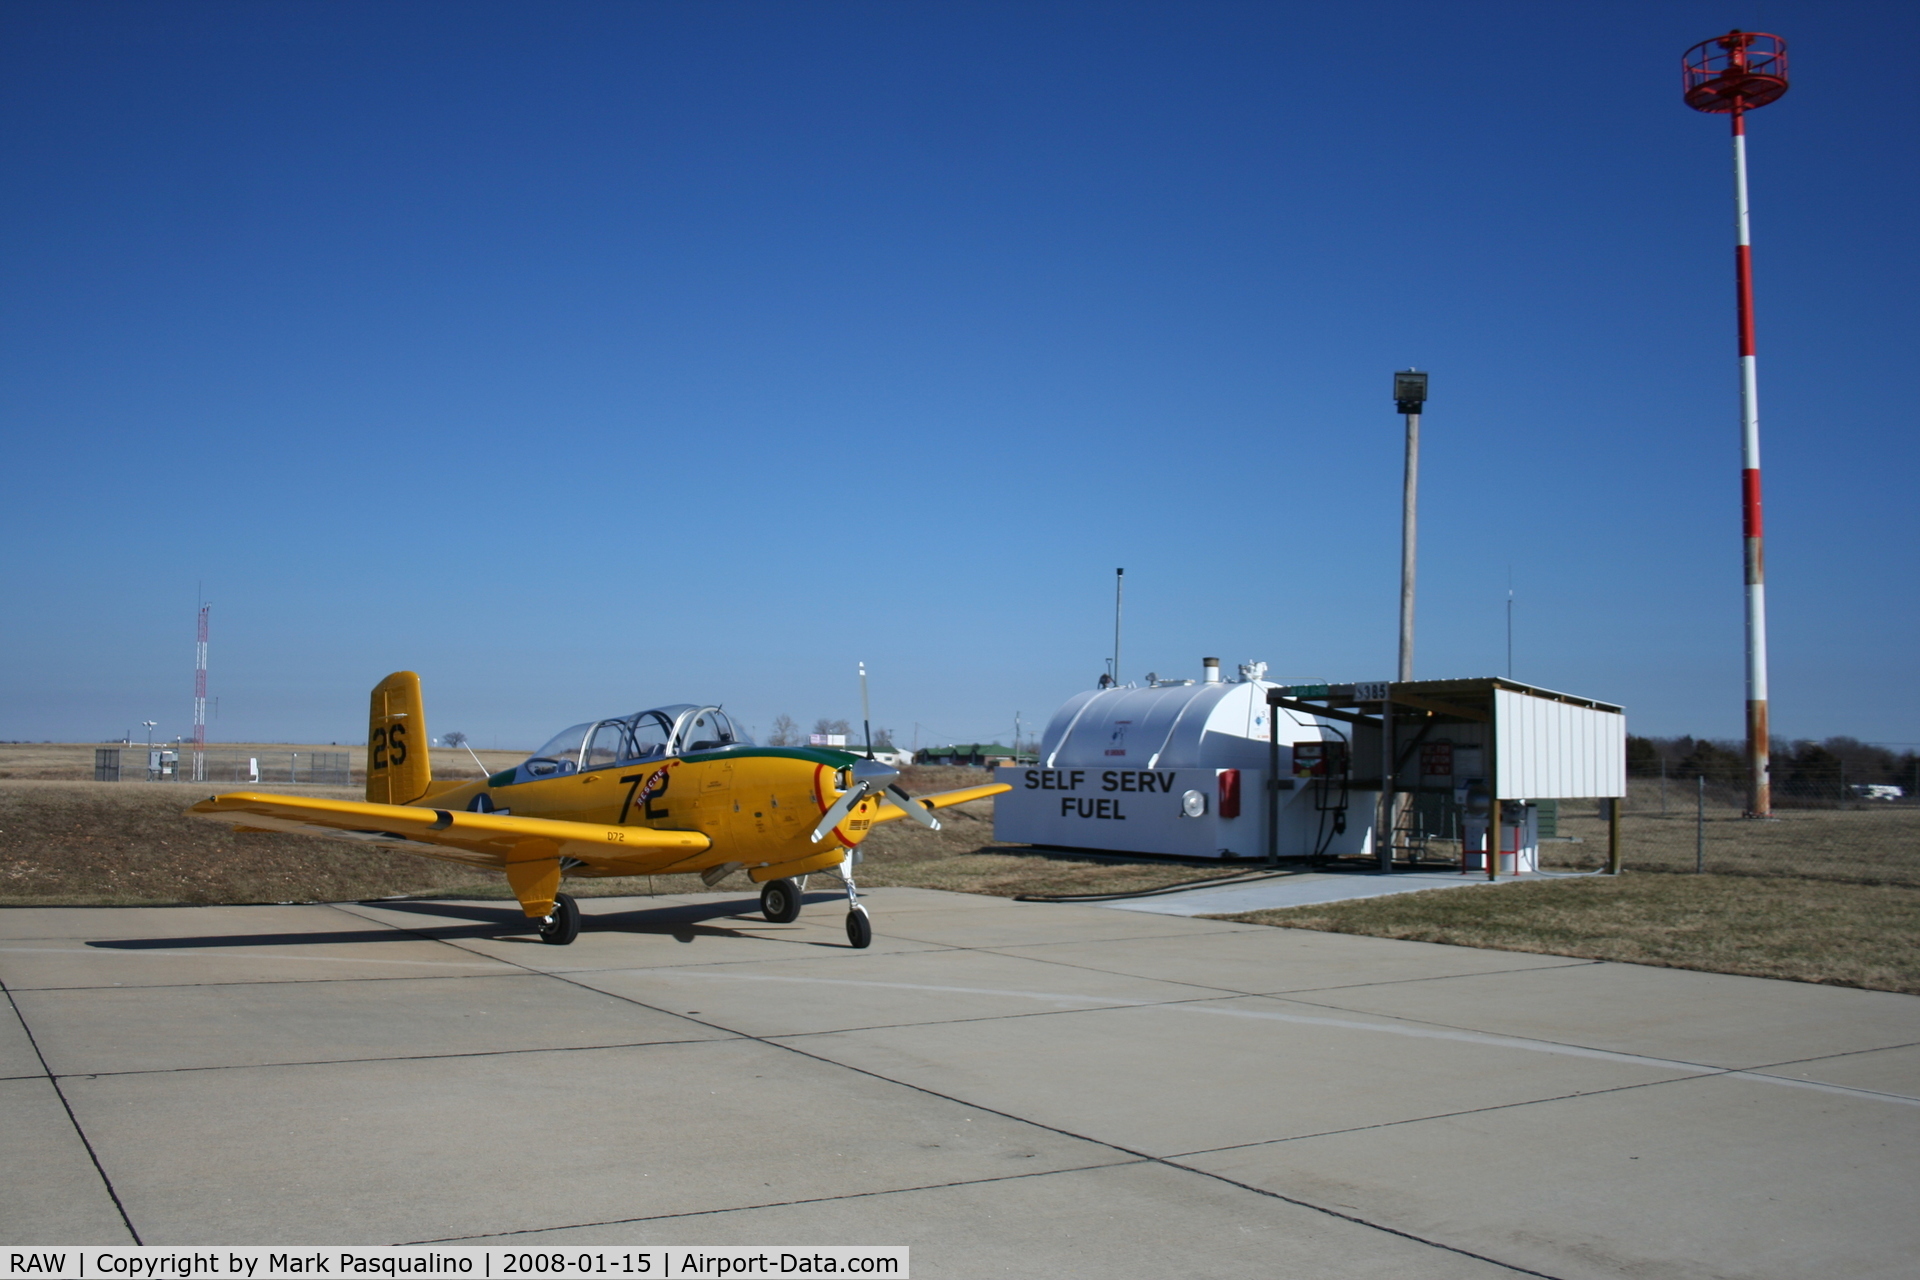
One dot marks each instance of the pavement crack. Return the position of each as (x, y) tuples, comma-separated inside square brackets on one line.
[(784, 1204), (72, 1119)]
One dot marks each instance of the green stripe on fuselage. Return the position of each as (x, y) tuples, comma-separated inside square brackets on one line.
[(812, 755)]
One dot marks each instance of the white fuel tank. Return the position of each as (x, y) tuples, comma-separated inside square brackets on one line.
[(1172, 768)]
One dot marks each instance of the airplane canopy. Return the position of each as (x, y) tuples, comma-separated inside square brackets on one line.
[(680, 729)]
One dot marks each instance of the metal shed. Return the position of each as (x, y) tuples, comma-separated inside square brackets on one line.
[(1487, 748)]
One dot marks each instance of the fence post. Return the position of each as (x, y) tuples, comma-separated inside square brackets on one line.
[(1700, 826), (1613, 836)]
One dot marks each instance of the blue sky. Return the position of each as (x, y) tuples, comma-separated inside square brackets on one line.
[(585, 357)]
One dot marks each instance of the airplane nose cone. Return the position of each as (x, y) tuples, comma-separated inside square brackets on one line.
[(875, 772)]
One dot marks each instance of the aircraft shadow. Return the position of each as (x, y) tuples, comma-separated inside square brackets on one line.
[(684, 922)]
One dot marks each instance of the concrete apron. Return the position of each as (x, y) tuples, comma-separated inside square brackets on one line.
[(1007, 1088), (1305, 889)]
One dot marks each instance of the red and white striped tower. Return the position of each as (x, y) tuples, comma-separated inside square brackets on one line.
[(1731, 75), (200, 700)]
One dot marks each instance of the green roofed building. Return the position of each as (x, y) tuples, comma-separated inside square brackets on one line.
[(979, 754)]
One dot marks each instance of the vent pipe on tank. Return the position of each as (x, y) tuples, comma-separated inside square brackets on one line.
[(1212, 668)]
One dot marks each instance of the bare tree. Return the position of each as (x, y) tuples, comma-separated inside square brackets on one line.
[(785, 732), (454, 739), (826, 726)]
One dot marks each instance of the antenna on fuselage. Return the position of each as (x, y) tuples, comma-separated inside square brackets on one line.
[(866, 717)]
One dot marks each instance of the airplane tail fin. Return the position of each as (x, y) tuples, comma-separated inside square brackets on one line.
[(399, 766)]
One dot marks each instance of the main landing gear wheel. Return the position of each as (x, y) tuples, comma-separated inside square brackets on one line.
[(563, 926), (780, 901), (859, 929)]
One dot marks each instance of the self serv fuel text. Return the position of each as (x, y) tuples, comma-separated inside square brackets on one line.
[(1107, 780)]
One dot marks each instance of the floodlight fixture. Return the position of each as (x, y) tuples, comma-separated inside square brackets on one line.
[(1410, 390)]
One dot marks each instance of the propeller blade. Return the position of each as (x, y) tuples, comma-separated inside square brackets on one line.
[(832, 817), (913, 808)]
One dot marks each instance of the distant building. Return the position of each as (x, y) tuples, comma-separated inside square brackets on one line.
[(1877, 791), (979, 755)]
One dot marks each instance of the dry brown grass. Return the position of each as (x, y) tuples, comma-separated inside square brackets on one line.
[(1865, 844), (132, 842), (1848, 935)]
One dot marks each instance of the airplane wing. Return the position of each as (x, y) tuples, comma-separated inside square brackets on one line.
[(890, 810), (479, 839)]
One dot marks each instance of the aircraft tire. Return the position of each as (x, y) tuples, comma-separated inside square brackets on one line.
[(563, 926), (859, 930), (780, 901)]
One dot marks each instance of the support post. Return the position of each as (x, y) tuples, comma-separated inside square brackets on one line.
[(1384, 819), (1613, 836), (1493, 837), (1700, 825), (1273, 786), (1409, 526), (1493, 795)]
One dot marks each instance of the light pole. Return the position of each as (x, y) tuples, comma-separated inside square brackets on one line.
[(150, 727), (1732, 75), (1410, 396)]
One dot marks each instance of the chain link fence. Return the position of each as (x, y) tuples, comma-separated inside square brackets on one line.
[(168, 764), (1685, 824)]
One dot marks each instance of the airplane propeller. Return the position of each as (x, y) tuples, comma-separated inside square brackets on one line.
[(870, 777)]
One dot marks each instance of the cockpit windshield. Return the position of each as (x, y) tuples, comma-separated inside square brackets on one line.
[(677, 730)]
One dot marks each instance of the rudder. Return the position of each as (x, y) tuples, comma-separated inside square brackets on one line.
[(399, 766)]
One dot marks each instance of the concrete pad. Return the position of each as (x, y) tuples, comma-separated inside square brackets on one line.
[(1485, 1130), (1895, 1071), (1129, 1222), (861, 989), (253, 1024), (1032, 923), (1713, 1018), (17, 1056), (619, 932), (167, 922), (422, 1150), (322, 952), (1304, 889), (1267, 961), (49, 1190), (890, 899), (1711, 1177), (1160, 1079)]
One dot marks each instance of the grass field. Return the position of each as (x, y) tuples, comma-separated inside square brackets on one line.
[(72, 842), (1807, 930)]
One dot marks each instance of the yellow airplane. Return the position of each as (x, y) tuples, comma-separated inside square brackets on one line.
[(675, 789)]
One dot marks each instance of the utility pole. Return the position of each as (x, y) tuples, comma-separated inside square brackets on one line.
[(1410, 396), (1119, 590)]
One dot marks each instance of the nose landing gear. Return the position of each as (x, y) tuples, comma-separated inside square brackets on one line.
[(859, 927)]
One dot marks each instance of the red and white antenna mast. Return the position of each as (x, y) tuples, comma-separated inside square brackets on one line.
[(200, 699), (1731, 75)]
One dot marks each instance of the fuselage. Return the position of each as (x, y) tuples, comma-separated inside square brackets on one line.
[(757, 804)]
